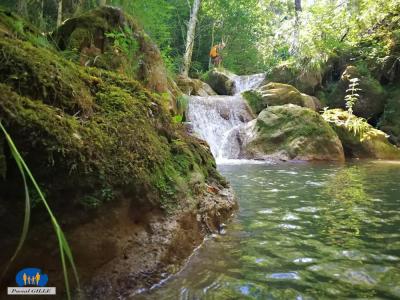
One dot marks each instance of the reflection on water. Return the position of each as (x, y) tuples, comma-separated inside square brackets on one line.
[(304, 231)]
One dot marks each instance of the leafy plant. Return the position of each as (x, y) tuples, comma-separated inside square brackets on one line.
[(352, 94), (125, 43), (177, 119), (65, 251), (182, 103)]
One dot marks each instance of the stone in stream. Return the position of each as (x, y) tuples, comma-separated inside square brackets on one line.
[(194, 87), (221, 81), (273, 94), (290, 132)]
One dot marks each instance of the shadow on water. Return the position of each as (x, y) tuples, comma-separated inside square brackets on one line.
[(304, 231)]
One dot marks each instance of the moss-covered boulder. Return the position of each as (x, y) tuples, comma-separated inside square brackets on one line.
[(92, 133), (109, 39), (371, 103), (220, 81), (194, 87), (359, 139), (291, 132), (273, 94), (96, 129)]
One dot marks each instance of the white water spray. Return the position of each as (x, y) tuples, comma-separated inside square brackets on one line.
[(218, 119)]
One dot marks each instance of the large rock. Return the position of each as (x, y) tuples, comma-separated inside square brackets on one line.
[(371, 103), (306, 82), (291, 132), (388, 69), (194, 87), (359, 139), (273, 94), (221, 81), (108, 38)]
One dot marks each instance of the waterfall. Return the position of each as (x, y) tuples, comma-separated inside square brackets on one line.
[(247, 82), (218, 119)]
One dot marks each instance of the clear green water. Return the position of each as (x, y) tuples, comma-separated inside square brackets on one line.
[(304, 231)]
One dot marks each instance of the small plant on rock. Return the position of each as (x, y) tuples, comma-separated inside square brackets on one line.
[(352, 95)]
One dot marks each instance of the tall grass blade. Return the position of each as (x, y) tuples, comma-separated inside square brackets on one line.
[(27, 215), (63, 244)]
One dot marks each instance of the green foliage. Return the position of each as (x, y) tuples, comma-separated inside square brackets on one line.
[(125, 43), (359, 127), (98, 128), (352, 94), (182, 102), (177, 119), (260, 34), (255, 101), (98, 198)]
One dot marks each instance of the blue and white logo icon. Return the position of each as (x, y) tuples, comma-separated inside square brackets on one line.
[(32, 277), (31, 281)]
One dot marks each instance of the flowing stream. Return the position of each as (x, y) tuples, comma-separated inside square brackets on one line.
[(215, 119), (303, 230)]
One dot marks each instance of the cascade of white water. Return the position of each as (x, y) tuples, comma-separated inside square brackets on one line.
[(218, 119), (247, 82)]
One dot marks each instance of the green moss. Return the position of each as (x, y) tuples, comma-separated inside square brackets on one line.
[(296, 131), (46, 77), (255, 101), (360, 139), (94, 133), (79, 37)]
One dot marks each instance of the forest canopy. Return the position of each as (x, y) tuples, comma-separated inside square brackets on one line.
[(259, 34)]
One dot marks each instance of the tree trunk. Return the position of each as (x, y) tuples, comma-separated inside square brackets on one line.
[(297, 4), (59, 12), (187, 57), (22, 8), (102, 2), (41, 13), (296, 35)]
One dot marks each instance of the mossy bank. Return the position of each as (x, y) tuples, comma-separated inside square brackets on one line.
[(124, 181)]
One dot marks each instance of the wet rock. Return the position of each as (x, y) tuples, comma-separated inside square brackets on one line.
[(359, 139), (194, 87), (221, 81), (290, 132), (273, 94), (388, 69)]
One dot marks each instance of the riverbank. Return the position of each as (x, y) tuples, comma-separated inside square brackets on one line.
[(132, 191)]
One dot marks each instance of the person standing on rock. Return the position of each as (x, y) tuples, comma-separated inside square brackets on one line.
[(215, 54)]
